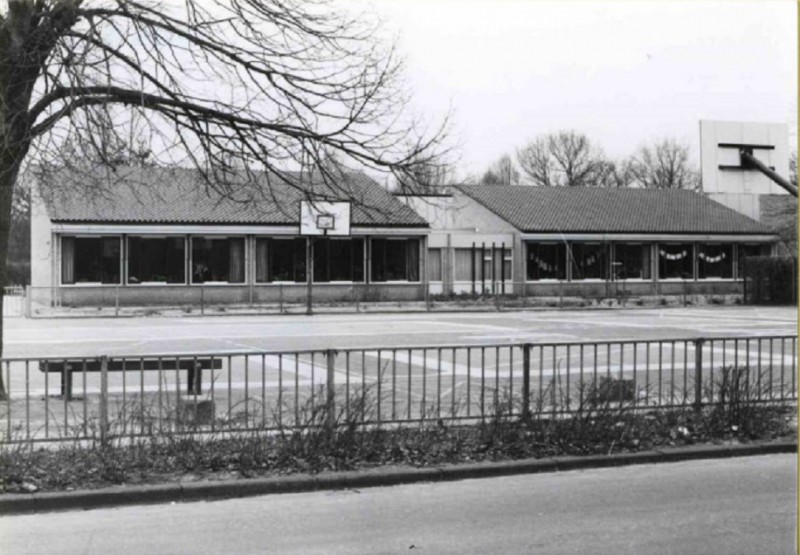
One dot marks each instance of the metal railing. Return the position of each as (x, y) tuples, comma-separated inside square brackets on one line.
[(205, 300), (120, 396)]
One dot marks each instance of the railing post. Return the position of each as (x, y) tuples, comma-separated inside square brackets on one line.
[(698, 374), (330, 359), (104, 399), (526, 381)]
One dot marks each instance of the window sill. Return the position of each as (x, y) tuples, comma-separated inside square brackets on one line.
[(90, 284)]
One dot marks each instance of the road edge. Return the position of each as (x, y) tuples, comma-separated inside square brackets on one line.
[(14, 504)]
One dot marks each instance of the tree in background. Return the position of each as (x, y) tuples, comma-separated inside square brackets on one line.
[(502, 172), (263, 85), (663, 165), (565, 158)]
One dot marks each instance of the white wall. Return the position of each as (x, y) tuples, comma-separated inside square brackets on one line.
[(741, 189)]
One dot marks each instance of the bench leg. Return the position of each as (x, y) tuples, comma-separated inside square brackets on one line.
[(66, 384), (195, 380)]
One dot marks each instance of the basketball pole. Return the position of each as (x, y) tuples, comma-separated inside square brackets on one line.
[(309, 275)]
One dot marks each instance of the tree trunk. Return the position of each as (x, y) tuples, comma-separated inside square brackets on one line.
[(7, 178)]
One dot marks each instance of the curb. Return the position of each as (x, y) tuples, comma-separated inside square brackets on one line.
[(12, 504)]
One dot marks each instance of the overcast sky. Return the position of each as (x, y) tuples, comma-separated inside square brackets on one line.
[(623, 72)]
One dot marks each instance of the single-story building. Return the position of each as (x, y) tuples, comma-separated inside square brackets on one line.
[(586, 241), (161, 236)]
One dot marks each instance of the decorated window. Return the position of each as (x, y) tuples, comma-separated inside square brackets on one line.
[(675, 261), (715, 261), (218, 259), (589, 261), (546, 261), (90, 260), (631, 261)]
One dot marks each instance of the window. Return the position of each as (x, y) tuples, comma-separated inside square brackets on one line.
[(500, 272), (632, 261), (156, 259), (675, 261), (218, 259), (434, 264), (463, 269), (589, 261), (395, 260), (715, 261), (90, 260), (280, 260), (546, 261), (338, 260), (749, 251)]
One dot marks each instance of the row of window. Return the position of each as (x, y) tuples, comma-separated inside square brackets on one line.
[(634, 260), (159, 259), (587, 261)]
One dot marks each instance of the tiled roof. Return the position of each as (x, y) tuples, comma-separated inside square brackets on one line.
[(602, 210), (153, 195)]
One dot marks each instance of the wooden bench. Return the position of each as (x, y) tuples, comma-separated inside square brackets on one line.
[(193, 366)]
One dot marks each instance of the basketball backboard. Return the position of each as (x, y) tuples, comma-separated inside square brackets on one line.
[(729, 181), (324, 218), (723, 172)]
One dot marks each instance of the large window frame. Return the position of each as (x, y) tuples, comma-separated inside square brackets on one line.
[(540, 253), (324, 251), (390, 251), (665, 252), (129, 252), (585, 254), (69, 254), (194, 263), (710, 254), (622, 257), (267, 246)]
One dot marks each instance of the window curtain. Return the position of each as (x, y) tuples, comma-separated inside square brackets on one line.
[(236, 257), (261, 260), (412, 260), (434, 264), (463, 264), (67, 260)]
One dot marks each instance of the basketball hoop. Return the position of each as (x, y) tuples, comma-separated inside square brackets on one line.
[(324, 218)]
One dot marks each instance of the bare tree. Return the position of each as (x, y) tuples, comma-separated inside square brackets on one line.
[(664, 165), (501, 172), (565, 158), (263, 84)]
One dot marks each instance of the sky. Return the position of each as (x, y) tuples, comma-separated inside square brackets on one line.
[(623, 72)]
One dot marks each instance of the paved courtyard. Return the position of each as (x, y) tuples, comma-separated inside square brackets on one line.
[(220, 334)]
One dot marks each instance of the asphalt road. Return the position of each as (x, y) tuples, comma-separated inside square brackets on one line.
[(92, 337), (732, 506)]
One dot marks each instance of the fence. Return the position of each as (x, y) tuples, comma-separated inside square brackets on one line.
[(91, 398), (90, 300)]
